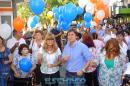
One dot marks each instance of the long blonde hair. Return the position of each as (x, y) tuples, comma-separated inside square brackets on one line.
[(50, 36)]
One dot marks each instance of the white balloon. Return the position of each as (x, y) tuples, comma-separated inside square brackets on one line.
[(29, 22), (105, 21), (106, 2), (93, 23), (89, 7), (100, 14), (50, 13), (5, 31), (82, 3)]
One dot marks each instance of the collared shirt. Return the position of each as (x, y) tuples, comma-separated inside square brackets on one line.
[(78, 55), (35, 49)]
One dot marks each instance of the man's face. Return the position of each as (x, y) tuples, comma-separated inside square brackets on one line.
[(71, 37), (19, 34)]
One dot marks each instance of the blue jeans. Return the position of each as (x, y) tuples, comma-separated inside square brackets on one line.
[(74, 80)]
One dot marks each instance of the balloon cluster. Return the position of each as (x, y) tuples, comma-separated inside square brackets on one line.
[(66, 14), (37, 7), (87, 19), (99, 9)]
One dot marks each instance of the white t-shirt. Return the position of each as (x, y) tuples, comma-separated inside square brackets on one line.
[(35, 49), (99, 45), (123, 48), (127, 39), (11, 42), (49, 59), (106, 38), (127, 71)]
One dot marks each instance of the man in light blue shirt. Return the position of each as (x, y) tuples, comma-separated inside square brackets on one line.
[(75, 56)]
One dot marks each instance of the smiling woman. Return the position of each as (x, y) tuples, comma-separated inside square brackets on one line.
[(50, 58), (23, 72)]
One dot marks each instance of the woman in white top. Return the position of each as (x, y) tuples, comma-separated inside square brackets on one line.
[(21, 77), (50, 58), (35, 45), (127, 37), (98, 43)]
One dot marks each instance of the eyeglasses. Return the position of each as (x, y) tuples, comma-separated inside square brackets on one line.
[(50, 39)]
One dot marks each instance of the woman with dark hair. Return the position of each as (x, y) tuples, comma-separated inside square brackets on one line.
[(97, 42), (35, 45), (5, 61), (111, 64), (22, 78), (90, 72), (122, 43)]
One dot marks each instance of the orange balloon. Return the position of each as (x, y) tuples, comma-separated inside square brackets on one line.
[(100, 5), (93, 1), (18, 24), (96, 20), (106, 10)]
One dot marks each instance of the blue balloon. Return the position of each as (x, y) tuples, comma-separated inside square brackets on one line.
[(54, 9), (61, 9), (92, 31), (78, 25), (87, 24), (58, 27), (70, 12), (61, 17), (87, 17), (79, 10), (65, 25), (25, 64), (33, 24), (36, 18), (56, 16), (37, 6)]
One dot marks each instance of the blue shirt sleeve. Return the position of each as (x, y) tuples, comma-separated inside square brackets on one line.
[(65, 51), (86, 53)]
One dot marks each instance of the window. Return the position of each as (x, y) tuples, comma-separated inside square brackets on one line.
[(6, 19), (5, 4)]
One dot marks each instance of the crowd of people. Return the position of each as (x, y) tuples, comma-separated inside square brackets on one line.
[(91, 58)]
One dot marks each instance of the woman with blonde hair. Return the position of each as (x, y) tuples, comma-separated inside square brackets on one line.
[(111, 64), (49, 57)]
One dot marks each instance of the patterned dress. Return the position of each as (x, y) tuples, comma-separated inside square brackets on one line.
[(112, 76)]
